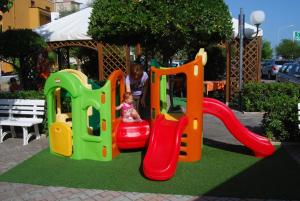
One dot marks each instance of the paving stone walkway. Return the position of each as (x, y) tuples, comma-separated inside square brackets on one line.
[(12, 152)]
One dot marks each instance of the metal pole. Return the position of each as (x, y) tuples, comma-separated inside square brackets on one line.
[(241, 34)]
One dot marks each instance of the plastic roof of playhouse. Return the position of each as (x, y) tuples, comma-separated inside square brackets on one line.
[(75, 27)]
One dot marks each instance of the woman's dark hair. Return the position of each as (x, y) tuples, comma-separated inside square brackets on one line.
[(136, 71)]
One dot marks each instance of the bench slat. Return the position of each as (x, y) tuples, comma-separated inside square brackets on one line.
[(6, 107), (21, 119), (21, 112), (18, 123), (21, 102)]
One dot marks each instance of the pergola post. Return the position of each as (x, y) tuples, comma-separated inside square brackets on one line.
[(227, 93), (259, 49), (127, 58), (68, 57), (138, 49), (100, 60)]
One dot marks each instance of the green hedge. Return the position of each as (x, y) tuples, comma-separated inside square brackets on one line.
[(28, 95), (279, 101), (22, 95)]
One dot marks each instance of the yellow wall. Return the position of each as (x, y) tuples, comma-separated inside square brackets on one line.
[(25, 15)]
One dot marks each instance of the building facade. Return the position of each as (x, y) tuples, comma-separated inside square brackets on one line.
[(28, 14), (66, 5)]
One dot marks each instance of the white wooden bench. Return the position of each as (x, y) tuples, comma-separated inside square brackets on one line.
[(23, 113)]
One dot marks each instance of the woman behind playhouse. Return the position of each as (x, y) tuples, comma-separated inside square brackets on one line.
[(137, 83)]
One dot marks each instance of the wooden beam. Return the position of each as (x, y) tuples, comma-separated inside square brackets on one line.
[(127, 52), (138, 49), (68, 57), (258, 64), (100, 61), (228, 62)]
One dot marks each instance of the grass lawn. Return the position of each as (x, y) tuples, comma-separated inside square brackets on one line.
[(219, 173)]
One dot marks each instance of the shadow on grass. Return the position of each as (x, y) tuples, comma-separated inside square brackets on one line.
[(256, 129), (228, 147), (220, 173), (277, 177)]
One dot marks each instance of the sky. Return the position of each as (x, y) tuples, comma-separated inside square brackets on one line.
[(280, 14)]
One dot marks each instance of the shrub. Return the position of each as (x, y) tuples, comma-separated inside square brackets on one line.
[(23, 45), (43, 127), (279, 102), (22, 95)]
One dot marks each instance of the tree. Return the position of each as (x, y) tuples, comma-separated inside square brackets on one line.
[(5, 6), (288, 49), (162, 27), (23, 45), (266, 50), (88, 59), (215, 67)]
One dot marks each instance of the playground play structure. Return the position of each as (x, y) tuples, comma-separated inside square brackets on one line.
[(168, 137)]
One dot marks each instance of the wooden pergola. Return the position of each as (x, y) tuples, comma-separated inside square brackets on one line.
[(110, 57), (251, 64)]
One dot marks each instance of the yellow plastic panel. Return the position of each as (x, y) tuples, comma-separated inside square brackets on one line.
[(173, 116), (61, 138)]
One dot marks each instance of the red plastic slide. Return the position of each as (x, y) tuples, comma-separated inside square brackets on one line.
[(261, 146), (164, 145)]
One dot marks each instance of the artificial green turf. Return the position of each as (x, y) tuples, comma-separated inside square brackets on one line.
[(219, 173)]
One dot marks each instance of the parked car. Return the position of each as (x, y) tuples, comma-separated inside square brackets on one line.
[(176, 63), (5, 81), (289, 72), (271, 67)]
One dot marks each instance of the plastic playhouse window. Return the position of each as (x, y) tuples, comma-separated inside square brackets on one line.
[(63, 101), (93, 121), (174, 102), (118, 98), (66, 100)]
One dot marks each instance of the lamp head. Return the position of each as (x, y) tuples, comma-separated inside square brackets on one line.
[(257, 17)]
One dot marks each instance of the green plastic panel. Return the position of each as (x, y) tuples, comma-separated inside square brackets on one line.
[(85, 146)]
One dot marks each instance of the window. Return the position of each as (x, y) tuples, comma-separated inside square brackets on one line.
[(282, 69), (288, 69)]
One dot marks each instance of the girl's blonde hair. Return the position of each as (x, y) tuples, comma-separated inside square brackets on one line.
[(126, 96)]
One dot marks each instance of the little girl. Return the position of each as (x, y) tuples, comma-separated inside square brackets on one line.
[(129, 114)]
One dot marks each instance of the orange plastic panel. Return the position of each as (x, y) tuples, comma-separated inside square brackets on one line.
[(193, 132), (114, 78), (61, 138)]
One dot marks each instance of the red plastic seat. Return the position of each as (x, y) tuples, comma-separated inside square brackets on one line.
[(133, 135)]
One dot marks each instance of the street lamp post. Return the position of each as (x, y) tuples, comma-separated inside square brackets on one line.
[(257, 18)]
